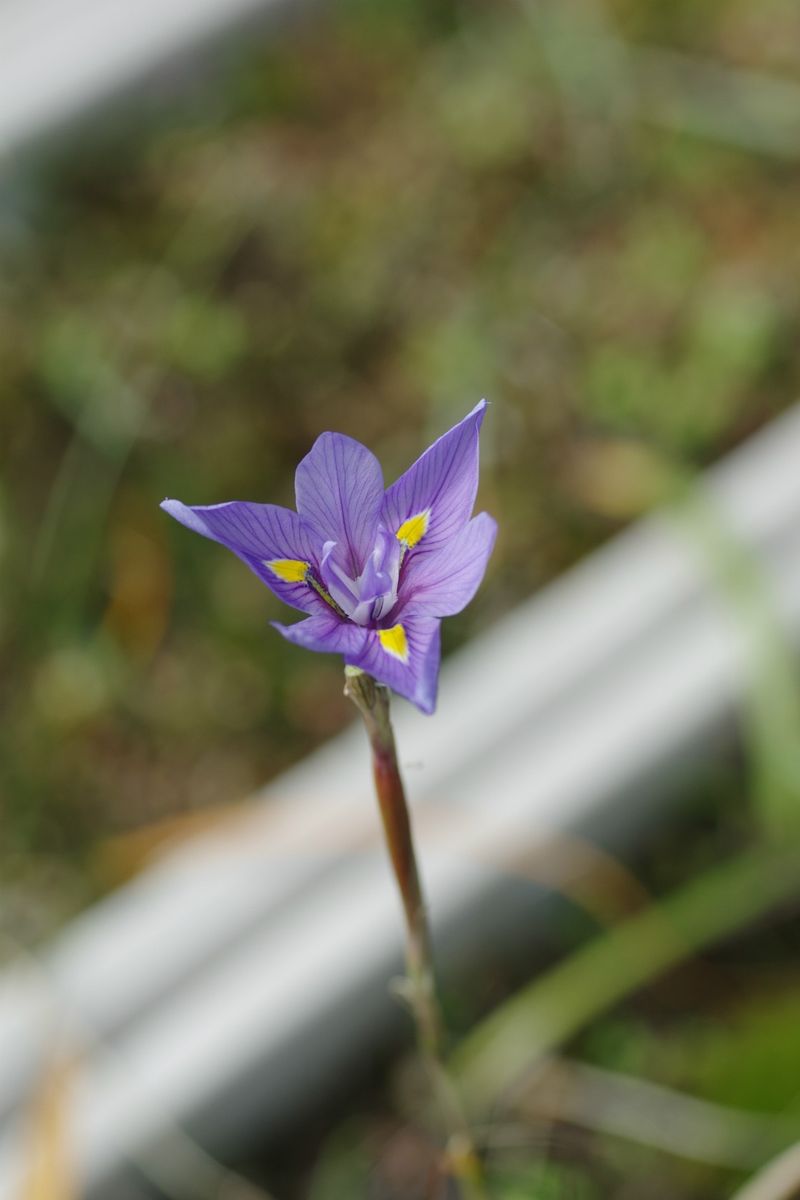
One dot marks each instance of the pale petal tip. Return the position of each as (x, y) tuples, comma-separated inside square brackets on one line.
[(478, 413), (185, 515), (180, 511)]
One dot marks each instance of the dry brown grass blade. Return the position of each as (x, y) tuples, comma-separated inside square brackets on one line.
[(50, 1173)]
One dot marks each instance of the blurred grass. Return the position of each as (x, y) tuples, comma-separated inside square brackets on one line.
[(364, 224), (553, 1008)]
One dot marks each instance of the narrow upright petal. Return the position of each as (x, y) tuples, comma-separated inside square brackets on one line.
[(404, 656), (339, 489), (433, 500), (274, 542), (444, 582), (374, 592)]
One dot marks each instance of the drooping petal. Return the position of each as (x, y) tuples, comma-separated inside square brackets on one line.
[(339, 489), (405, 657), (433, 500), (326, 633), (274, 542), (444, 582)]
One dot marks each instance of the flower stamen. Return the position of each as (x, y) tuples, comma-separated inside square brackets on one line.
[(325, 595)]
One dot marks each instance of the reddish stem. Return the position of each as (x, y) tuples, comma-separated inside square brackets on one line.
[(372, 701)]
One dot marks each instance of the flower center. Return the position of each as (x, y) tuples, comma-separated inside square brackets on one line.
[(374, 592)]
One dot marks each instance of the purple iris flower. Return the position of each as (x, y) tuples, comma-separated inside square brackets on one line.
[(375, 570)]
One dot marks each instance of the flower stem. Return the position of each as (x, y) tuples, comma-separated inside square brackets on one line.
[(372, 701)]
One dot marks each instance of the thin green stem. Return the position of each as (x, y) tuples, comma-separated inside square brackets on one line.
[(372, 701)]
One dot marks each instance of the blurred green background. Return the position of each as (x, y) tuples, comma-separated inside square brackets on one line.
[(365, 224), (364, 221)]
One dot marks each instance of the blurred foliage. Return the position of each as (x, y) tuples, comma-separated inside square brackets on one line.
[(751, 1058), (546, 1181), (365, 222)]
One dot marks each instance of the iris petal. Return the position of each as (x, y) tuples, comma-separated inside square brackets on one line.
[(415, 675), (327, 633), (258, 534), (444, 582), (443, 483), (339, 489)]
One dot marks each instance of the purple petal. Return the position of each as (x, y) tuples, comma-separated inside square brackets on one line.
[(444, 582), (416, 678), (442, 483), (326, 633), (382, 568), (339, 489), (374, 593), (257, 533)]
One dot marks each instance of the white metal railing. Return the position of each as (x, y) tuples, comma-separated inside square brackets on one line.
[(60, 58)]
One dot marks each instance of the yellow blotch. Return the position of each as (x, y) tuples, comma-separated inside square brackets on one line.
[(394, 642), (414, 529), (290, 570)]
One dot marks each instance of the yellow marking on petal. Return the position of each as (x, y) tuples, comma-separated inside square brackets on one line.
[(394, 642), (290, 570), (414, 529)]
